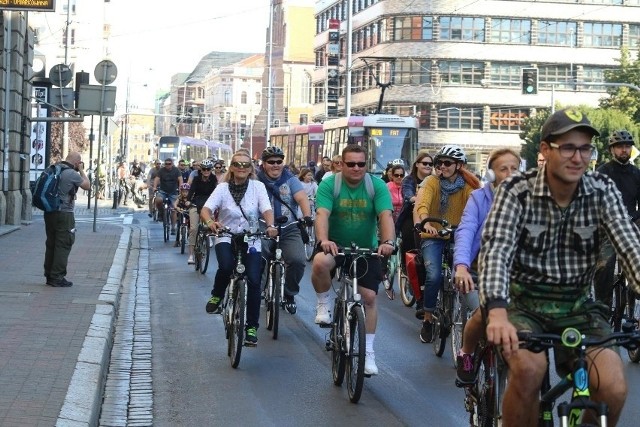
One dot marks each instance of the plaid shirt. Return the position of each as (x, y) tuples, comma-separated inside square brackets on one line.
[(528, 239)]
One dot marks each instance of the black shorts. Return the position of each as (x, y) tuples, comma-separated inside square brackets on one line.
[(369, 270)]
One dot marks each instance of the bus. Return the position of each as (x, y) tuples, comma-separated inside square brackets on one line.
[(386, 137), (187, 148)]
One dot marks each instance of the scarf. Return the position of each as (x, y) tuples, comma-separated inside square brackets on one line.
[(273, 188), (237, 190), (448, 188)]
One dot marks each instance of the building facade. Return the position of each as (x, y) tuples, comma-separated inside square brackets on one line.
[(458, 65)]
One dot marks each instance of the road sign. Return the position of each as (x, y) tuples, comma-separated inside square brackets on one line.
[(60, 75), (105, 72)]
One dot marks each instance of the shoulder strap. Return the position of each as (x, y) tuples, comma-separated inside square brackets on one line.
[(368, 184)]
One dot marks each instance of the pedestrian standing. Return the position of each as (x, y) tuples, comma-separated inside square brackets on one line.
[(60, 225)]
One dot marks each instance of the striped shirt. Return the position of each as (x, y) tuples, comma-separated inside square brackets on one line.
[(529, 239)]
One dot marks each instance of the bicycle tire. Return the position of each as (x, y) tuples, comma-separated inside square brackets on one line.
[(439, 335), (197, 253), (356, 353), (183, 238), (338, 359), (166, 224), (634, 316), (206, 250), (311, 244), (619, 303), (273, 305), (491, 383), (236, 333), (460, 317), (406, 292)]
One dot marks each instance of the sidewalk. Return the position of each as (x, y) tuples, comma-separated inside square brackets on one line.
[(44, 330)]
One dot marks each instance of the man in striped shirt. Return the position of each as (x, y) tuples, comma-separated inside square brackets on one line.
[(539, 249)]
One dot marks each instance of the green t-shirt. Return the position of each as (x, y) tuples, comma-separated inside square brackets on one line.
[(354, 216)]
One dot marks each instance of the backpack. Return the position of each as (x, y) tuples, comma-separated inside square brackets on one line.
[(368, 184), (45, 195)]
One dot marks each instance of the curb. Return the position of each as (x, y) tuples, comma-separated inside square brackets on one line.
[(84, 396)]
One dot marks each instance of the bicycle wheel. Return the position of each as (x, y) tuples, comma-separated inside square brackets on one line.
[(183, 238), (311, 244), (439, 325), (460, 317), (356, 351), (197, 252), (166, 223), (274, 298), (236, 330), (406, 291), (205, 250), (491, 383), (619, 303), (337, 344), (634, 314)]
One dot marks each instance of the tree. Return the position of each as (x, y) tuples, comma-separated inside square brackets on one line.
[(530, 134), (624, 99), (78, 140)]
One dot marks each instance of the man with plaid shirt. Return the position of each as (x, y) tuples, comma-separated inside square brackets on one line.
[(539, 250)]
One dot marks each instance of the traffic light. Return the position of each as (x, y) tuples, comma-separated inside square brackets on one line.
[(529, 81)]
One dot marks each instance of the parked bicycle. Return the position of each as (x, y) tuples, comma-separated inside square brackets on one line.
[(202, 248), (347, 339), (234, 303), (570, 413)]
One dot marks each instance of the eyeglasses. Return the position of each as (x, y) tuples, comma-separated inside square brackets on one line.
[(336, 163), (398, 175), (426, 164), (274, 162), (446, 163), (354, 164), (205, 169), (218, 167), (569, 150), (241, 165), (168, 164)]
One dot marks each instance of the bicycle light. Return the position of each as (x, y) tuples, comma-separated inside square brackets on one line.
[(240, 268)]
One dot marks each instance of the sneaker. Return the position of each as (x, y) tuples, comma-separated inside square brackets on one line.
[(251, 336), (191, 260), (464, 369), (213, 305), (426, 333), (419, 309), (289, 304), (59, 283), (150, 215), (176, 244), (370, 367), (322, 314)]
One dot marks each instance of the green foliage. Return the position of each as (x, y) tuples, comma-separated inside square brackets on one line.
[(624, 99), (530, 134)]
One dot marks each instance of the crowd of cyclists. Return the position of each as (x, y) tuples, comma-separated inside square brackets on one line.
[(528, 244)]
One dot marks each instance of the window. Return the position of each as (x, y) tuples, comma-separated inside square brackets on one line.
[(508, 119), (602, 35), (258, 98), (413, 28), (505, 74), (72, 37), (555, 33), (305, 90), (515, 31), (554, 75), (595, 75), (634, 35), (243, 97), (461, 73), (413, 72), (460, 118), (459, 28)]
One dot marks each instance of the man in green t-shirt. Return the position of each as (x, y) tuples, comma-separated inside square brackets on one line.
[(352, 217)]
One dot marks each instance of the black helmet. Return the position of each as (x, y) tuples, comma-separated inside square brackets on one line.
[(620, 137), (272, 152)]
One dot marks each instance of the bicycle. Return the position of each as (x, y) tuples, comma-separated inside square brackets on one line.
[(448, 302), (347, 340), (183, 229), (202, 248), (483, 398), (570, 413), (311, 244), (166, 217), (234, 303)]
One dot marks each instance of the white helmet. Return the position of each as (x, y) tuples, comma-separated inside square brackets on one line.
[(452, 151)]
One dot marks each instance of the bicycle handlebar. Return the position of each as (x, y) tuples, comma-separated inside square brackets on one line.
[(572, 338), (446, 228), (226, 231)]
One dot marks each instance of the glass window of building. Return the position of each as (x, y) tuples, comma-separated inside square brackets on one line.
[(513, 31), (461, 72), (505, 74), (634, 35), (508, 119), (557, 33), (598, 34), (243, 97), (462, 28), (460, 118), (593, 75), (412, 72), (413, 28), (558, 76)]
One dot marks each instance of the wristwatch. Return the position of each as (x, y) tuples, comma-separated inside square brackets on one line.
[(392, 243)]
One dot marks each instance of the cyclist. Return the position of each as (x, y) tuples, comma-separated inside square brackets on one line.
[(308, 184), (182, 204), (167, 182), (286, 194), (239, 202), (151, 177), (443, 196), (123, 186), (201, 188), (352, 217), (395, 188), (539, 248), (184, 170), (336, 166), (627, 179), (219, 170), (502, 163)]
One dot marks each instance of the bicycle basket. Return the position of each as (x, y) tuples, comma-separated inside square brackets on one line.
[(415, 270)]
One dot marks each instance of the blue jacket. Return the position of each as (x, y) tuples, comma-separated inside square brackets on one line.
[(469, 233)]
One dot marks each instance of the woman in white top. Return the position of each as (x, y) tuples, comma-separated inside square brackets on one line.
[(239, 202)]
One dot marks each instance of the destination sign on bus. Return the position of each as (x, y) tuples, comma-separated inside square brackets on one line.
[(383, 132), (35, 5)]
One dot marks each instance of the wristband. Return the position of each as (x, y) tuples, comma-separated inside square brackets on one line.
[(209, 221)]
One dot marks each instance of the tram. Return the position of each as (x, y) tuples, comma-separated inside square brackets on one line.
[(184, 147)]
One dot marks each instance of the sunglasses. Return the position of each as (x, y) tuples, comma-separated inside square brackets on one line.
[(241, 165), (446, 163), (218, 167), (168, 164), (274, 162), (205, 169), (354, 164), (426, 163), (398, 175)]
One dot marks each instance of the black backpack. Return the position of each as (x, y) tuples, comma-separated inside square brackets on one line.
[(45, 194)]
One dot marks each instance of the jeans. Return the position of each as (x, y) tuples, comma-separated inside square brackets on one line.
[(226, 264), (293, 255), (432, 255)]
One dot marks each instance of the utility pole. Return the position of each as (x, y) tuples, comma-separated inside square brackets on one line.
[(65, 125), (270, 77)]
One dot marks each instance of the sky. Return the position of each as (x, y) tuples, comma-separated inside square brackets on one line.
[(153, 39)]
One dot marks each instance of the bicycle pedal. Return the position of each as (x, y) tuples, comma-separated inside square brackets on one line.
[(367, 375), (324, 325), (246, 344)]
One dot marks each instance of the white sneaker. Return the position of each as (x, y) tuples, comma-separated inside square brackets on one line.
[(322, 314), (191, 260), (370, 367)]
